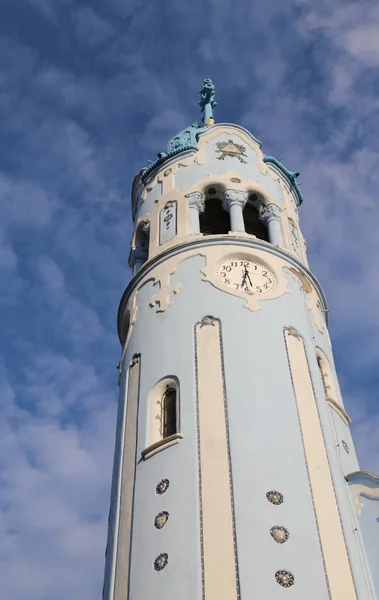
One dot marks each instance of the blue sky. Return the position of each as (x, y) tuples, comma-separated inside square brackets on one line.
[(89, 92)]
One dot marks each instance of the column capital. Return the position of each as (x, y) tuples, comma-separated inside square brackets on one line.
[(230, 197), (269, 213), (196, 200), (137, 254)]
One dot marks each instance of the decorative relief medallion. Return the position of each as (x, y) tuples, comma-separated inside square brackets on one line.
[(235, 180), (167, 172), (345, 446), (284, 578), (280, 534), (274, 497), (161, 519), (232, 149), (162, 486), (160, 562), (209, 320)]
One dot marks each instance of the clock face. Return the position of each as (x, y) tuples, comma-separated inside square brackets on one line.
[(245, 275)]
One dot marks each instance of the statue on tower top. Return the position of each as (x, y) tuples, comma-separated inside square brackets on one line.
[(207, 101)]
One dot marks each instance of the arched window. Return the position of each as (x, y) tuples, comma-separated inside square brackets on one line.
[(163, 411), (214, 220), (169, 412), (139, 252), (253, 226)]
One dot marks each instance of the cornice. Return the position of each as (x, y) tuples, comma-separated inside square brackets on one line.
[(290, 176), (215, 240)]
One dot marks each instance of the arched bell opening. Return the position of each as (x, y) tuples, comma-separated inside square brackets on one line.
[(253, 225), (214, 220), (142, 238)]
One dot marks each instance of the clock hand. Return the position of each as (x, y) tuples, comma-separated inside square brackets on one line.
[(243, 278), (248, 276)]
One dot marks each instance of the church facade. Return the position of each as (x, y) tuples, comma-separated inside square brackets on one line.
[(235, 474)]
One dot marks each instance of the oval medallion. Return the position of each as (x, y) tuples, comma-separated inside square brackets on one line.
[(274, 497), (346, 447), (161, 519), (162, 486), (280, 534), (167, 172), (235, 180), (160, 562), (284, 578)]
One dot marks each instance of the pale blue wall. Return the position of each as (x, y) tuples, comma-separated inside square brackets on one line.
[(370, 531), (265, 441)]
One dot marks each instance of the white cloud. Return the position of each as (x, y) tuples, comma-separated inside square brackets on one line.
[(55, 482)]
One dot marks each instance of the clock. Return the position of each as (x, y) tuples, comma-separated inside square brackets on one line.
[(245, 275)]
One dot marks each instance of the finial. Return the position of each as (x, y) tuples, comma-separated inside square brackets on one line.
[(207, 101)]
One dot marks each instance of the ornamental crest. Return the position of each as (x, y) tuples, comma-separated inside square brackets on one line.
[(232, 149), (209, 320)]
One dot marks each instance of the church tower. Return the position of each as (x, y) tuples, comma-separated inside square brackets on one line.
[(235, 474)]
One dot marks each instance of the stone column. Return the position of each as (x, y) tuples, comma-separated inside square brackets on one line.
[(146, 228), (234, 201), (196, 206), (269, 215), (137, 257)]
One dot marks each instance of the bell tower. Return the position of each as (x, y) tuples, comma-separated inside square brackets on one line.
[(235, 474)]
